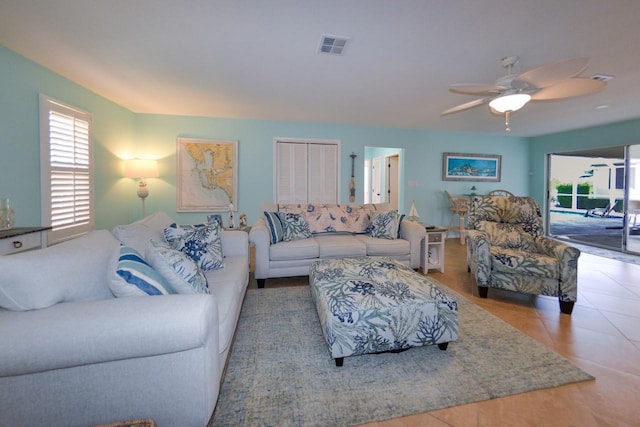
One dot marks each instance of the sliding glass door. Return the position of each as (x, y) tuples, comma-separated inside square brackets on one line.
[(632, 217), (594, 197)]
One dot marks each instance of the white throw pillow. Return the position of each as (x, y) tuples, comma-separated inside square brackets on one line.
[(75, 270), (177, 268), (138, 234)]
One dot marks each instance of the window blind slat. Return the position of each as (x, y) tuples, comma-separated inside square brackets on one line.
[(70, 168)]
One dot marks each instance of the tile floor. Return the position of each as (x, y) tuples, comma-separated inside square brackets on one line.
[(602, 336)]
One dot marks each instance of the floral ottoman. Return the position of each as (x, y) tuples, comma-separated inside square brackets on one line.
[(376, 304)]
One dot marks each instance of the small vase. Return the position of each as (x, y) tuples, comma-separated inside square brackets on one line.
[(6, 214)]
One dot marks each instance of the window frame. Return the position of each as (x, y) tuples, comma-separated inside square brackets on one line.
[(81, 225)]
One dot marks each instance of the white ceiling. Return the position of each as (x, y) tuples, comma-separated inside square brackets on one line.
[(258, 58)]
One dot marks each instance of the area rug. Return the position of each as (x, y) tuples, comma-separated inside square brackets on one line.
[(280, 372)]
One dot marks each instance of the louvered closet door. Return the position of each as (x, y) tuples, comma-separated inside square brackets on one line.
[(323, 173), (306, 172), (291, 173)]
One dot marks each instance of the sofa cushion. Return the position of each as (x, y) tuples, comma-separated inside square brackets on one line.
[(340, 245), (177, 268), (201, 243), (229, 286), (136, 277), (385, 225), (138, 234), (327, 218), (384, 247), (74, 270), (296, 249)]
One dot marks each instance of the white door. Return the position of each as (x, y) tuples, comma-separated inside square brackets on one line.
[(306, 172), (376, 180), (393, 180)]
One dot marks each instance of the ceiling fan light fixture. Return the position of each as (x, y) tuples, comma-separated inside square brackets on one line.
[(512, 102)]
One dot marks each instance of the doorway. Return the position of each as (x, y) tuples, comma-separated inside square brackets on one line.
[(383, 169), (591, 197)]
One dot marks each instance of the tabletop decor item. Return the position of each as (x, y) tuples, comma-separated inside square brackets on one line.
[(6, 214)]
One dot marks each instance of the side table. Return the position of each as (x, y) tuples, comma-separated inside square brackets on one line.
[(21, 239), (432, 250)]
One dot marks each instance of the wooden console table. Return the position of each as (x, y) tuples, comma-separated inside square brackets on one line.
[(21, 239)]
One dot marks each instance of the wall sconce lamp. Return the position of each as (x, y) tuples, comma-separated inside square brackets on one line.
[(141, 168)]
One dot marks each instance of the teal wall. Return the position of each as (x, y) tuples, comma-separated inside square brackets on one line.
[(120, 133), (621, 133), (113, 127)]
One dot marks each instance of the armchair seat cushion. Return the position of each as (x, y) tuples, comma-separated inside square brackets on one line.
[(516, 261)]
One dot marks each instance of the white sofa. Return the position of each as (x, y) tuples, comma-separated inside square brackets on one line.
[(82, 357), (293, 258)]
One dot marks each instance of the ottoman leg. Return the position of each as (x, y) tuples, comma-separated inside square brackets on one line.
[(443, 346), (261, 283), (339, 361)]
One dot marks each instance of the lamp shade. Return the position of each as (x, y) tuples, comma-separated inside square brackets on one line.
[(141, 168), (512, 102)]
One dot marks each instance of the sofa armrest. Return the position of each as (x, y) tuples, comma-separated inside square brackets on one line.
[(82, 333), (259, 236), (413, 232), (568, 258), (235, 243), (479, 255)]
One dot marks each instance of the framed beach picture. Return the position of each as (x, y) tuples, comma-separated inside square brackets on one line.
[(206, 174), (471, 167)]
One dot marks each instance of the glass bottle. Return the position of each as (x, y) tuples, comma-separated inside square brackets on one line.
[(6, 214)]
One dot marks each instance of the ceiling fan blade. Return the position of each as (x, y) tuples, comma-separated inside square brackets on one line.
[(550, 74), (467, 105), (569, 88), (473, 89)]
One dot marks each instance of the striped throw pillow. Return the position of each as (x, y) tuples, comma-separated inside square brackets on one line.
[(137, 277)]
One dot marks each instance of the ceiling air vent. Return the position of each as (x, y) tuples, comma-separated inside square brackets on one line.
[(602, 77), (332, 45)]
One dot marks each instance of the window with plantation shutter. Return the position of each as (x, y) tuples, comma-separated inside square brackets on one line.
[(67, 170)]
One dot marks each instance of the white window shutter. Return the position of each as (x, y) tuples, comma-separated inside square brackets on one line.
[(67, 170)]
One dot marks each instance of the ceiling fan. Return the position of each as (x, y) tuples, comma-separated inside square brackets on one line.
[(557, 80)]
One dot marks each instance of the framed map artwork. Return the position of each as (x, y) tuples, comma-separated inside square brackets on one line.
[(206, 174)]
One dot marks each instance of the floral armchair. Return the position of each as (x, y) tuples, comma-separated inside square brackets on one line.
[(506, 249)]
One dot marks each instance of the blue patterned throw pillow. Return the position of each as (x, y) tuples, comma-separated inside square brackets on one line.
[(201, 243), (139, 276), (294, 226), (385, 225), (177, 268)]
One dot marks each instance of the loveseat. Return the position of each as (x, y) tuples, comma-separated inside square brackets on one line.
[(73, 354), (285, 247)]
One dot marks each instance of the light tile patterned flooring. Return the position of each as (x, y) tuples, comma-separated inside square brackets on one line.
[(602, 337)]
